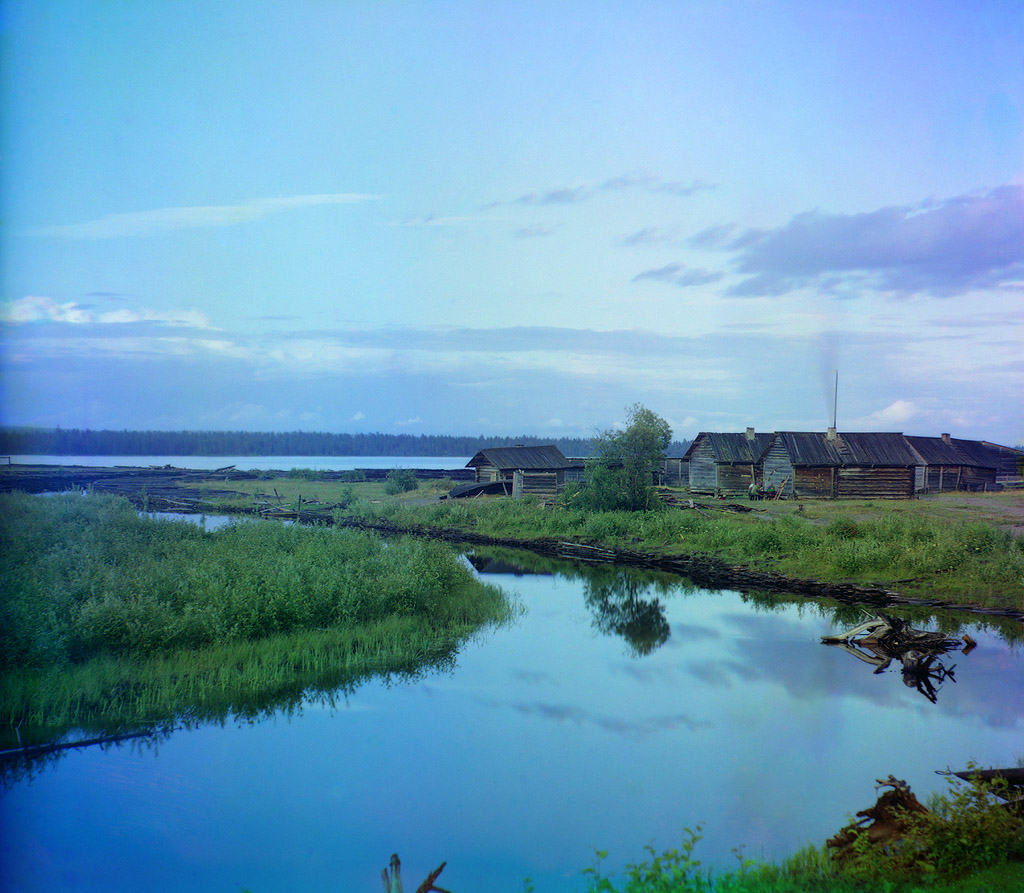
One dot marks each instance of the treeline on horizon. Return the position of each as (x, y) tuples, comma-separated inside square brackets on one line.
[(86, 442)]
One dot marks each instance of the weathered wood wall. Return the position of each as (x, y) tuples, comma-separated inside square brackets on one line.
[(703, 469), (777, 468), (673, 473), (944, 478), (861, 482), (815, 482), (542, 484)]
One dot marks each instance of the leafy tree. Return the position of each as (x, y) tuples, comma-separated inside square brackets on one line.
[(620, 475)]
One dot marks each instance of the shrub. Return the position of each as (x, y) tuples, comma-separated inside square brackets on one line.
[(400, 480)]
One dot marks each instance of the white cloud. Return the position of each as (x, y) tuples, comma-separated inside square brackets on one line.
[(358, 417), (32, 309), (896, 413), (145, 223)]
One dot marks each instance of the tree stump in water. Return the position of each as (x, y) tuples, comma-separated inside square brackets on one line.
[(393, 881)]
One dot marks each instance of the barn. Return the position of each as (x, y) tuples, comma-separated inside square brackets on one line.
[(725, 464), (948, 463), (832, 465), (1010, 467), (533, 470)]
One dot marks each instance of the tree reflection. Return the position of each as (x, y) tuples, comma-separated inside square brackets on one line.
[(621, 609)]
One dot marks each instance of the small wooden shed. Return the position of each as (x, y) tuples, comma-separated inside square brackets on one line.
[(535, 470), (831, 465), (726, 464), (948, 463)]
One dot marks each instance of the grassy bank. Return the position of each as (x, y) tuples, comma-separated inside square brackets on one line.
[(933, 548), (109, 618), (965, 840)]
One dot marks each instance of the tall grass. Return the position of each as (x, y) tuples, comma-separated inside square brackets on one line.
[(965, 560), (104, 611)]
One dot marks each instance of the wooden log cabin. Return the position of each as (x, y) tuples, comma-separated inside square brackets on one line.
[(726, 464), (1010, 462), (830, 465), (539, 471), (948, 463)]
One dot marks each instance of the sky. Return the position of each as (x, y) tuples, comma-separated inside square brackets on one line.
[(513, 217)]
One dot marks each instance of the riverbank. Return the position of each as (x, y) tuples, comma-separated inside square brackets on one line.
[(956, 550)]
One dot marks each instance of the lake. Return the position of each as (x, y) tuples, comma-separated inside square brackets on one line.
[(616, 710), (253, 463)]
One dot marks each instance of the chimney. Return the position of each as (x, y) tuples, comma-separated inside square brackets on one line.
[(946, 439), (830, 434), (750, 433)]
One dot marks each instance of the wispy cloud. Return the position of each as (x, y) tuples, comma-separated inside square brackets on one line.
[(677, 274), (535, 231), (146, 223), (32, 309), (581, 192), (940, 248)]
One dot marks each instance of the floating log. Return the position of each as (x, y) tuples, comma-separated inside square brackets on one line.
[(35, 750)]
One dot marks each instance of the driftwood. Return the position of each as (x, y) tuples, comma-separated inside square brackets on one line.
[(393, 881), (884, 823), (881, 639)]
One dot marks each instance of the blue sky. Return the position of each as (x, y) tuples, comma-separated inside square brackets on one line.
[(501, 218)]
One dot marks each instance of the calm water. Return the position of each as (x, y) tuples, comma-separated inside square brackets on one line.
[(253, 463), (611, 715)]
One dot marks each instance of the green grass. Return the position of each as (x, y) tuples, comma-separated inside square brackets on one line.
[(967, 841), (927, 552), (109, 617)]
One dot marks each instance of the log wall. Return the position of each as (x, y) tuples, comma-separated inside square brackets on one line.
[(703, 468), (778, 469), (859, 482), (542, 484)]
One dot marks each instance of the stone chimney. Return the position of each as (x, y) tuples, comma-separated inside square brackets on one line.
[(830, 434), (946, 438), (750, 433)]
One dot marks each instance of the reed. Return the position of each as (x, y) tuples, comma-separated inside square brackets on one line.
[(108, 617)]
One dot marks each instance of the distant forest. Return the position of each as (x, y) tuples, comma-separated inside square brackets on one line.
[(84, 442)]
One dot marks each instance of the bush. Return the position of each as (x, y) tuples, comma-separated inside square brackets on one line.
[(400, 480)]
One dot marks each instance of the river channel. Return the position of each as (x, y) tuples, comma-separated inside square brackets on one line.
[(618, 709)]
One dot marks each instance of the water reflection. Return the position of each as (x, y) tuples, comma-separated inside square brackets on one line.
[(581, 739), (881, 639)]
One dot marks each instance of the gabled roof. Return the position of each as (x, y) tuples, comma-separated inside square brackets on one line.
[(813, 448), (732, 449), (936, 451), (512, 458)]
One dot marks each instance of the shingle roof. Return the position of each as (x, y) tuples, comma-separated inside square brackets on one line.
[(733, 449), (530, 457), (813, 448), (936, 451)]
